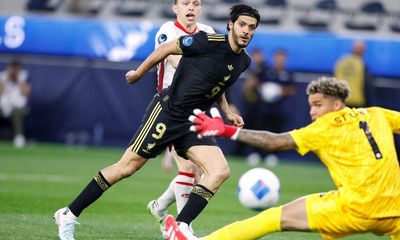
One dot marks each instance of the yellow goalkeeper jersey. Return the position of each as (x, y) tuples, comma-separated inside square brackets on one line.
[(357, 147)]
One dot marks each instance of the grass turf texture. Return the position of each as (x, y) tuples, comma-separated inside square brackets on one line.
[(39, 179)]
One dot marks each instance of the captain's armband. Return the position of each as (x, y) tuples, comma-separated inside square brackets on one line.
[(178, 47)]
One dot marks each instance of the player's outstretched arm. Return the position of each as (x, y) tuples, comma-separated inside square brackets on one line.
[(235, 119), (153, 59), (215, 126)]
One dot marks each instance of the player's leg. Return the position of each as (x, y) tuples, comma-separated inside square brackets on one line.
[(17, 119), (178, 190), (167, 160), (395, 236), (142, 147), (292, 216), (317, 212), (129, 163), (184, 181), (180, 187), (158, 207), (66, 217), (215, 171), (255, 227), (326, 216), (146, 143)]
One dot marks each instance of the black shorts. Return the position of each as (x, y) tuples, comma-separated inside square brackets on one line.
[(159, 129)]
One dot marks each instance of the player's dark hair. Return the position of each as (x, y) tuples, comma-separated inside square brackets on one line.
[(329, 86), (240, 10)]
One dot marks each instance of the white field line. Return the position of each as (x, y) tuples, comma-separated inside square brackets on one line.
[(38, 178)]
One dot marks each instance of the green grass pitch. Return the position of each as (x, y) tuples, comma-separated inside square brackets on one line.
[(39, 179)]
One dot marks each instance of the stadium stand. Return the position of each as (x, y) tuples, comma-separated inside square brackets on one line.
[(341, 17), (274, 11), (43, 5), (219, 9), (368, 17), (395, 25), (167, 11), (132, 8), (320, 15), (91, 7)]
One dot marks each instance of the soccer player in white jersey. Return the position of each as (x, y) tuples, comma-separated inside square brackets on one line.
[(187, 12)]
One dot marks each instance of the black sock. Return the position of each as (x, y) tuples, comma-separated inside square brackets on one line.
[(90, 193), (198, 200)]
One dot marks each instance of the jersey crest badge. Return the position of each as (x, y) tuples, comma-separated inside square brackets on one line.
[(162, 38), (187, 40), (230, 67)]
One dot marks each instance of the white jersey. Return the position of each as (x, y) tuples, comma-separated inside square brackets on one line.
[(170, 31)]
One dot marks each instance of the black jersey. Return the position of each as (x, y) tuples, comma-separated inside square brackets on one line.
[(207, 68)]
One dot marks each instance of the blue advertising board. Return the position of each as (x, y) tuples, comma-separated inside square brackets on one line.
[(114, 41)]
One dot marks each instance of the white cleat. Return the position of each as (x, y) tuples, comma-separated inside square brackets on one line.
[(187, 231), (175, 232), (158, 214), (65, 221)]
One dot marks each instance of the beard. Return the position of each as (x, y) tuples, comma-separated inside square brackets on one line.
[(236, 39)]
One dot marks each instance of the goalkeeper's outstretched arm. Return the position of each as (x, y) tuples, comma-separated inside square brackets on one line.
[(215, 126), (265, 140)]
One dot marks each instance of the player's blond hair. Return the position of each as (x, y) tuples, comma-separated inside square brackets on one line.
[(329, 86)]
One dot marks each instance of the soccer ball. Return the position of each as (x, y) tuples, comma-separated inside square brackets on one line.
[(258, 189)]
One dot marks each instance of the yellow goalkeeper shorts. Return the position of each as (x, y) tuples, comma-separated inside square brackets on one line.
[(326, 217)]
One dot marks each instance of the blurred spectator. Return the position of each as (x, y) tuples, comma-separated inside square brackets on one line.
[(14, 93), (352, 68), (252, 102), (274, 92)]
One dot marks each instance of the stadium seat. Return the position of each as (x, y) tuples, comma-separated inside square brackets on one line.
[(167, 12), (43, 5), (132, 7), (220, 9), (319, 16), (368, 18), (272, 11), (393, 15), (394, 25), (86, 6), (231, 1)]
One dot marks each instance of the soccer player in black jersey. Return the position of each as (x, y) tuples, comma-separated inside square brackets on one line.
[(210, 64)]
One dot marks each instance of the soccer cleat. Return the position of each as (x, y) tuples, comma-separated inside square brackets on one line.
[(65, 221), (173, 231), (158, 214)]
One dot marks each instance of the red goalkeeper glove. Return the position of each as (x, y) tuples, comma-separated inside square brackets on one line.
[(214, 126)]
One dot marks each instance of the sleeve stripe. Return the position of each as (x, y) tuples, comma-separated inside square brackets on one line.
[(216, 37)]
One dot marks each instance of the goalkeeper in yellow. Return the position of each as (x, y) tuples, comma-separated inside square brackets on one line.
[(357, 147)]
